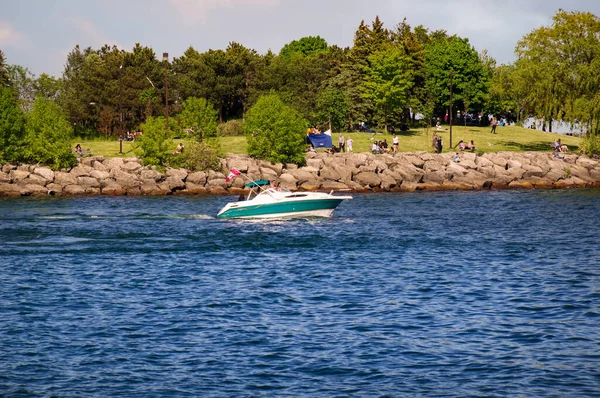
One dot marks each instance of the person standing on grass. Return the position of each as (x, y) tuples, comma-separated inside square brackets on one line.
[(395, 143), (349, 144), (341, 142), (494, 124)]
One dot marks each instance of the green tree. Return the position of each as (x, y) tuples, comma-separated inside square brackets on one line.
[(47, 86), (12, 123), (275, 131), (306, 46), (156, 144), (388, 82), (22, 81), (3, 70), (331, 106), (48, 136), (413, 42), (470, 81), (200, 115), (558, 71)]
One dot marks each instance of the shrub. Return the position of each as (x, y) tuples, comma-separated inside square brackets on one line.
[(590, 144), (48, 136), (197, 156), (12, 126), (275, 131), (156, 142), (231, 128)]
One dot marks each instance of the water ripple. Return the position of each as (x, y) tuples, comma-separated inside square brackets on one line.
[(395, 295)]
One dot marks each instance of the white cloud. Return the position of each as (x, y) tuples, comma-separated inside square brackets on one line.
[(199, 10), (8, 35)]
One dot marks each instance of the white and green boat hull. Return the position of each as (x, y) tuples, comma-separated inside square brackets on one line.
[(287, 209)]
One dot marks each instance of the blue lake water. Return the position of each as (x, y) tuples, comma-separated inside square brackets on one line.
[(400, 294)]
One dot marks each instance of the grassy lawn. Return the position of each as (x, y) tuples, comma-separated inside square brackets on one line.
[(507, 138)]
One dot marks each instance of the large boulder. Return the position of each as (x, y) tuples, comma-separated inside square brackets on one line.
[(198, 178), (10, 190), (368, 179), (113, 163), (387, 182), (329, 173), (73, 190), (44, 172), (18, 175), (131, 167), (88, 182), (113, 189), (81, 171), (35, 179), (99, 174), (329, 185), (33, 190), (174, 183), (148, 174), (180, 174), (302, 175), (64, 179), (151, 189)]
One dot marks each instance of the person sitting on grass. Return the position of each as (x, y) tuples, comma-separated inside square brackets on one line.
[(461, 145), (78, 150), (179, 149), (375, 148), (470, 146)]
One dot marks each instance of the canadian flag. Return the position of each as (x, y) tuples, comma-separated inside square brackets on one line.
[(232, 174)]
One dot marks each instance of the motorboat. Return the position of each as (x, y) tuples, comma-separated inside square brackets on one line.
[(273, 202)]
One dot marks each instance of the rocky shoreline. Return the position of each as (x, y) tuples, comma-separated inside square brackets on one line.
[(356, 172)]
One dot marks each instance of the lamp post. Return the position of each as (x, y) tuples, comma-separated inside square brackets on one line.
[(166, 60), (450, 115), (121, 109)]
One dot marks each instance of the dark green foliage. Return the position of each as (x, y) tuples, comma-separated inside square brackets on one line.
[(332, 108), (155, 144), (470, 80), (12, 126), (275, 131), (48, 136)]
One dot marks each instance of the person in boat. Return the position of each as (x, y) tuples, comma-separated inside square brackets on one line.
[(273, 185)]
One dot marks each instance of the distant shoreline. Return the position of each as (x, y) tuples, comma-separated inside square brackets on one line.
[(350, 172)]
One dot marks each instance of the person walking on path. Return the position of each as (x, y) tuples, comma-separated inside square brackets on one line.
[(349, 144)]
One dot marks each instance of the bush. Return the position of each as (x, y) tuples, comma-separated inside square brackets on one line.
[(156, 142), (590, 144), (231, 128), (48, 136), (197, 156), (12, 126), (275, 131)]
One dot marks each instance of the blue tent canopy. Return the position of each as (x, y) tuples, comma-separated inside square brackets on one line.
[(320, 140)]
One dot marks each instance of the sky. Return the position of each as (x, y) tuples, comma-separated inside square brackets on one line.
[(38, 34)]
